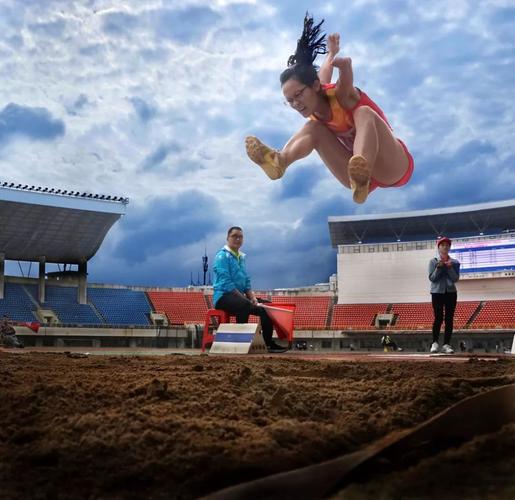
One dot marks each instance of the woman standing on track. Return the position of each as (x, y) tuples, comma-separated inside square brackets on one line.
[(444, 272)]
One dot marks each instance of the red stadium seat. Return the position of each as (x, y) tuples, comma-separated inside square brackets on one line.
[(310, 311), (419, 316), (180, 307), (496, 314), (356, 316), (413, 316)]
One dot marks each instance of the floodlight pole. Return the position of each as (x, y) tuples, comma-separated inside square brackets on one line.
[(41, 290), (2, 274), (83, 283), (205, 266)]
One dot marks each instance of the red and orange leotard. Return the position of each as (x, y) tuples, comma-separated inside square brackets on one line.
[(342, 124)]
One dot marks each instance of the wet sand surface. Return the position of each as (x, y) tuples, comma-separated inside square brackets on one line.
[(179, 426)]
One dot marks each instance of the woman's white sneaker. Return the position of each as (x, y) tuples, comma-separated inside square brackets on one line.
[(434, 347), (447, 349)]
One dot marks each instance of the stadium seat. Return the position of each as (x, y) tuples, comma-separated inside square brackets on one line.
[(62, 300), (120, 306), (180, 307), (356, 316), (413, 316), (496, 314), (17, 303), (310, 311)]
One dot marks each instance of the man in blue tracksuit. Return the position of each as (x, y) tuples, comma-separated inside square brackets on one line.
[(232, 288)]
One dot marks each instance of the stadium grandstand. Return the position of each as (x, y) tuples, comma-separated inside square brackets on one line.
[(47, 225), (381, 281)]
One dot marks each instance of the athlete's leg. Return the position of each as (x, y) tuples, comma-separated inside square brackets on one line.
[(312, 136), (376, 143)]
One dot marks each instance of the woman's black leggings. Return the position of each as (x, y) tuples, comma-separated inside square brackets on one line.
[(443, 301)]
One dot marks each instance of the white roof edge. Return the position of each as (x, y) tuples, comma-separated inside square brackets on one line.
[(61, 201), (423, 213)]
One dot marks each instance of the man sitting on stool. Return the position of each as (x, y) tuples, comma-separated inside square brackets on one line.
[(232, 289)]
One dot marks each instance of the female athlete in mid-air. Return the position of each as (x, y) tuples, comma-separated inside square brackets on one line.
[(347, 129)]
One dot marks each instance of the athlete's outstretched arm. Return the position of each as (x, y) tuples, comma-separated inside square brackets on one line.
[(325, 73), (346, 93)]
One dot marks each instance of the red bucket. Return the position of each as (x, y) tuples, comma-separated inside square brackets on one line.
[(282, 318)]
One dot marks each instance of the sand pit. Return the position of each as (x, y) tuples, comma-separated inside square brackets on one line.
[(183, 426)]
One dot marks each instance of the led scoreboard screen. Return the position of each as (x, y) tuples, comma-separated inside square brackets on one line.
[(480, 256)]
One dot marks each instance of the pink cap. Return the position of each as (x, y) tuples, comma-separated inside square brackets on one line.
[(443, 239)]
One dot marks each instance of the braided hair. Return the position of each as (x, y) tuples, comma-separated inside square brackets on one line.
[(301, 64)]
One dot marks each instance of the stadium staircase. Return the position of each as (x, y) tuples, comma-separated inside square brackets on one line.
[(464, 312), (330, 310), (475, 314)]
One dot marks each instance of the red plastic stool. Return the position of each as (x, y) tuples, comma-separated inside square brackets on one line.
[(222, 316)]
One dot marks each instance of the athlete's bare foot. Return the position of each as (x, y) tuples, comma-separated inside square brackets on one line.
[(267, 158), (359, 176)]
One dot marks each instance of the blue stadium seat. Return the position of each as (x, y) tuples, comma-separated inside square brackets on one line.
[(62, 300), (17, 303), (121, 306)]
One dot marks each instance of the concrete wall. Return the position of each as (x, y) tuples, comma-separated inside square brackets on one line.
[(111, 337), (373, 275), (369, 277), (487, 289)]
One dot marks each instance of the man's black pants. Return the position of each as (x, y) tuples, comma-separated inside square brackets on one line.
[(242, 308)]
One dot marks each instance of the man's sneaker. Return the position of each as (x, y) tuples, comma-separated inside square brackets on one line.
[(276, 348), (434, 347), (447, 349)]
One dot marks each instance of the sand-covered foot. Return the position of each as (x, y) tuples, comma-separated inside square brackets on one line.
[(267, 158), (359, 176)]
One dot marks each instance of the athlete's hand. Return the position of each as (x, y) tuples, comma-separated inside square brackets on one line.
[(333, 43), (342, 63)]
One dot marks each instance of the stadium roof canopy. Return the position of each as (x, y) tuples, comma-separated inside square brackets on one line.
[(419, 225), (63, 228)]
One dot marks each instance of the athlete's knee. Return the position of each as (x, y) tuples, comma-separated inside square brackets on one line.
[(315, 130), (365, 113), (314, 127)]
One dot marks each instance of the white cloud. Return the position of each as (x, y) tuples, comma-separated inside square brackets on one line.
[(441, 74)]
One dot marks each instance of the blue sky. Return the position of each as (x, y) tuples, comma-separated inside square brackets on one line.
[(152, 100)]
